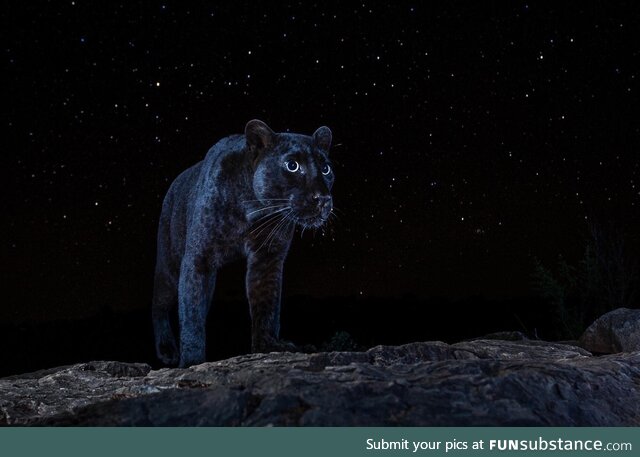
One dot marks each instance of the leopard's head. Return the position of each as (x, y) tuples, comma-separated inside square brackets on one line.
[(292, 173)]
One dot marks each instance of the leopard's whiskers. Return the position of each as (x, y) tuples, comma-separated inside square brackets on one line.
[(281, 218), (276, 231), (265, 208), (266, 200), (275, 213), (268, 224)]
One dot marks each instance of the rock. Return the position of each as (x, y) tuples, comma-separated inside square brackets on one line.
[(44, 393), (524, 350), (616, 331), (479, 383)]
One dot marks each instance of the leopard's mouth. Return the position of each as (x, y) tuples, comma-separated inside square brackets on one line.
[(314, 221)]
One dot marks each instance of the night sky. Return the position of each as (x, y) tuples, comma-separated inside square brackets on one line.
[(469, 138)]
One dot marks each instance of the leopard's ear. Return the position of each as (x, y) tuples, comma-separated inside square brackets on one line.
[(258, 134), (322, 138)]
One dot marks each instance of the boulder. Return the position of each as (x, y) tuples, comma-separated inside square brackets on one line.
[(473, 383), (616, 331)]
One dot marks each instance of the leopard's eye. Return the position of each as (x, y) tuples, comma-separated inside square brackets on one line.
[(326, 169), (292, 166)]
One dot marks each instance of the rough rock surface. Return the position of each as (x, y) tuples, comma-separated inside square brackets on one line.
[(616, 331), (481, 382)]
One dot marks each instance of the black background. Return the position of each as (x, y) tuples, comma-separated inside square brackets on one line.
[(469, 138)]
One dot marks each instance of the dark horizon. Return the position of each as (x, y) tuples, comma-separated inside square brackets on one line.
[(337, 324)]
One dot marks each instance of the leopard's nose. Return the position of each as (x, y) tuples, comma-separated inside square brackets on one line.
[(321, 200)]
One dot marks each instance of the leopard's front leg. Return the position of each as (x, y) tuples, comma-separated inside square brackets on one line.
[(264, 285)]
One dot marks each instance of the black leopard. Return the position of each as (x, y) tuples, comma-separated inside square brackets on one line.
[(243, 200)]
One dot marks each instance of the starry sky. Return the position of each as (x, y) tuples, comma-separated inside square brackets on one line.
[(469, 138)]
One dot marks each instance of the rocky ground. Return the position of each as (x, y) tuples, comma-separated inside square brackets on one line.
[(503, 380)]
